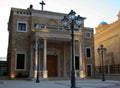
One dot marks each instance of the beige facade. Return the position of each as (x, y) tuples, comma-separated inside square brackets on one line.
[(27, 26), (109, 36)]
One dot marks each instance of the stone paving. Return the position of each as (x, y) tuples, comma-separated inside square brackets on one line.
[(81, 83)]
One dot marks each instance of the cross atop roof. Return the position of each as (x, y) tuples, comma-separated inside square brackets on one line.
[(42, 4)]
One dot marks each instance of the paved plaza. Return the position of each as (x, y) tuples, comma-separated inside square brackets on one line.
[(81, 83)]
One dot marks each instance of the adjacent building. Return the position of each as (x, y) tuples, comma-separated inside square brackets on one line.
[(28, 27), (3, 67), (109, 36)]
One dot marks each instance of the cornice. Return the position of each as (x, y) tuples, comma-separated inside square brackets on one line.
[(49, 34)]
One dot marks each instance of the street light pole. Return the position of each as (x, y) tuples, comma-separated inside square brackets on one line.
[(73, 85), (103, 77), (73, 21), (101, 51)]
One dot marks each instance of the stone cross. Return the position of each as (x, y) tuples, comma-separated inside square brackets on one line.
[(42, 4)]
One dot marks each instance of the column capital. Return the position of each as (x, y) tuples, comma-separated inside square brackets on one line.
[(77, 41), (36, 38), (45, 38)]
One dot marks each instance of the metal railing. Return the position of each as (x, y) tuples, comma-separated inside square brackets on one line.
[(109, 69)]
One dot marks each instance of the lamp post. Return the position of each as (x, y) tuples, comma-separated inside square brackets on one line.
[(74, 22), (101, 51), (38, 51)]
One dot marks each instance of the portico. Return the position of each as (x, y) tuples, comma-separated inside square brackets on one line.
[(55, 52)]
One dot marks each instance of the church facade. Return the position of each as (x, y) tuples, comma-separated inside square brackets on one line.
[(28, 27), (109, 36)]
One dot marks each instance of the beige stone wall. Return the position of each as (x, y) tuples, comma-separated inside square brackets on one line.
[(89, 42), (109, 36), (22, 41)]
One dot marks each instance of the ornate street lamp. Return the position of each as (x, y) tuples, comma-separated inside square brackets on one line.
[(38, 64), (74, 22), (101, 51)]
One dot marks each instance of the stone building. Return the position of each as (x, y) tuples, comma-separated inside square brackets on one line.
[(109, 36), (27, 26)]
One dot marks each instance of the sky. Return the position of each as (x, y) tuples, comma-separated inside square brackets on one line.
[(95, 11)]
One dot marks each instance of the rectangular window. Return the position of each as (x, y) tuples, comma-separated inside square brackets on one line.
[(21, 26), (20, 61), (87, 34), (76, 62), (88, 52)]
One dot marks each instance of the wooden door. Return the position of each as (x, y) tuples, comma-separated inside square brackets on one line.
[(89, 70), (52, 65)]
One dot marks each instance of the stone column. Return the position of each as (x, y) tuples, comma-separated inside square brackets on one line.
[(31, 62), (36, 60), (80, 55), (45, 73), (64, 61), (70, 59)]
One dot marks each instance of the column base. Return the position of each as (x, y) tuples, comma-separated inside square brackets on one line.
[(45, 74), (35, 74), (79, 73), (12, 75), (82, 75), (76, 73)]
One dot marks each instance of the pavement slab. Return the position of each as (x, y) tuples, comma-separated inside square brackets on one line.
[(81, 83)]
